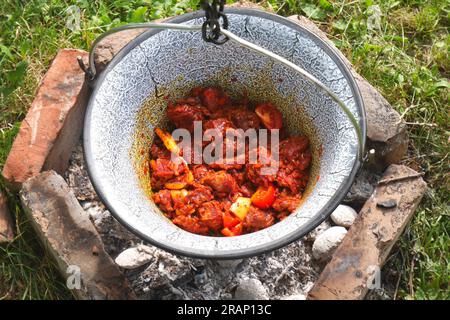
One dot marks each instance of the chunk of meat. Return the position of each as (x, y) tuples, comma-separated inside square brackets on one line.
[(214, 98), (286, 203), (303, 162), (196, 92), (247, 190), (223, 165), (159, 151), (220, 124), (270, 116), (292, 148), (211, 215), (222, 113), (295, 160), (220, 127), (193, 99), (199, 194), (244, 119), (166, 169), (238, 175), (184, 115), (200, 171), (163, 200), (282, 215), (168, 172), (293, 177), (263, 171), (191, 224), (225, 162), (257, 219), (162, 171), (221, 182)]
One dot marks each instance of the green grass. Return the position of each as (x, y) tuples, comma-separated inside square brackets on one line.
[(404, 54)]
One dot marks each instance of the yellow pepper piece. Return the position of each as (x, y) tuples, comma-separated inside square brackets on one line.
[(240, 207)]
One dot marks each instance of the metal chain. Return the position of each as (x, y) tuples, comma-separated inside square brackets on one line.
[(214, 15)]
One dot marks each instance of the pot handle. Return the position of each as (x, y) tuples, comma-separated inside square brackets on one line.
[(91, 71), (310, 77)]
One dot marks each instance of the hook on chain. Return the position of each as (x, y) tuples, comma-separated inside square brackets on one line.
[(214, 15)]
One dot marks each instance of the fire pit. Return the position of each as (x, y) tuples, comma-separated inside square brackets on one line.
[(62, 211), (128, 103)]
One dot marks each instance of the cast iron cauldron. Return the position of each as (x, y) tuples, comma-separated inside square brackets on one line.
[(129, 100)]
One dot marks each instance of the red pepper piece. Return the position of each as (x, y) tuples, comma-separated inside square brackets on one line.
[(263, 198), (233, 231)]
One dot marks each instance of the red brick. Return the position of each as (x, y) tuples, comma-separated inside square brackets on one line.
[(6, 221), (371, 237), (111, 45), (53, 123), (71, 239)]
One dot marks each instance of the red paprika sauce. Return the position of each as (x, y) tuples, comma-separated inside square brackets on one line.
[(222, 199)]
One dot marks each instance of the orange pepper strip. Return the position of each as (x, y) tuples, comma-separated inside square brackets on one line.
[(168, 140), (172, 146), (190, 177), (175, 185)]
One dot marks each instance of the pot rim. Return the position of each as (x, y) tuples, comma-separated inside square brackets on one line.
[(326, 211)]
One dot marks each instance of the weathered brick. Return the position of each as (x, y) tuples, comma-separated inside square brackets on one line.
[(111, 45), (371, 237), (6, 222), (53, 123), (68, 234)]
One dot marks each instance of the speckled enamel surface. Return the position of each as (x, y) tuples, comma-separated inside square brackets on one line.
[(129, 102)]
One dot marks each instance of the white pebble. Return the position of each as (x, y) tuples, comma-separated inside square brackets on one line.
[(317, 231), (251, 289), (343, 216), (94, 212), (327, 242), (135, 257)]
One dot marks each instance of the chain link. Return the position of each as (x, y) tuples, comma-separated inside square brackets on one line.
[(214, 16)]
